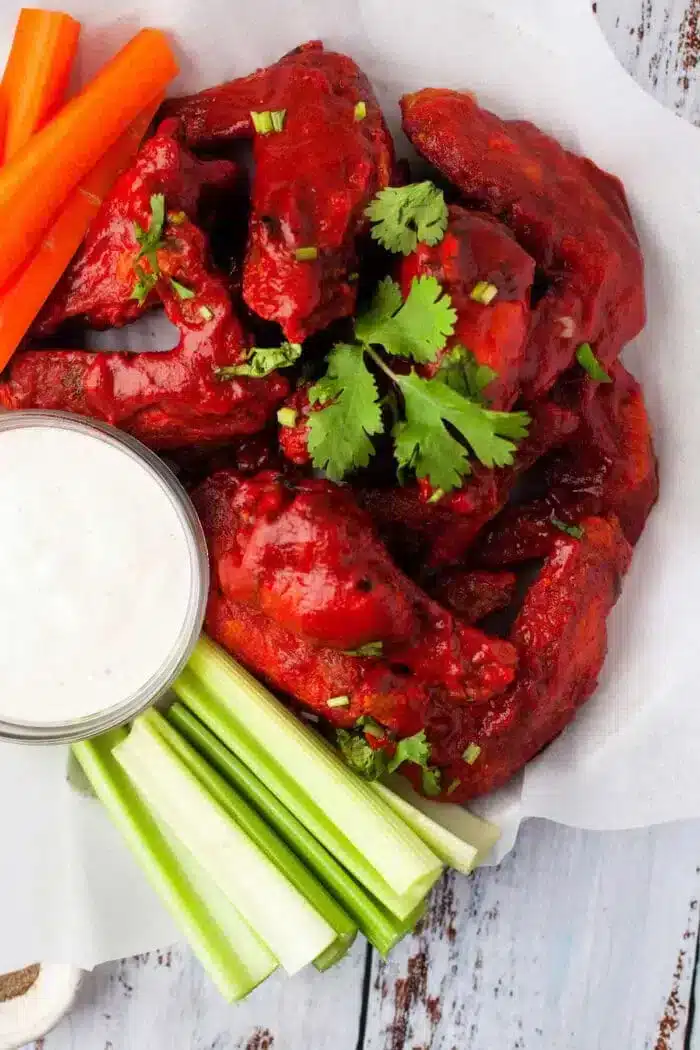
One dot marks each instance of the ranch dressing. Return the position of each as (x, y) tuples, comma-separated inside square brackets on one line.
[(95, 574)]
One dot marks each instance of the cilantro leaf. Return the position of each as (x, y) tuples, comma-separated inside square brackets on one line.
[(403, 216), (151, 240), (181, 290), (590, 363), (340, 433), (424, 442), (145, 284), (461, 371), (411, 749), (575, 531), (262, 360), (416, 328), (368, 762)]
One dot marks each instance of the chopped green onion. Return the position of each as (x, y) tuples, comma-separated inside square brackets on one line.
[(287, 417), (181, 290), (262, 122), (281, 916), (260, 833), (338, 701), (430, 780), (278, 116), (453, 785), (360, 110), (371, 727), (436, 496), (309, 777), (380, 928), (574, 531), (206, 312), (176, 217), (306, 254), (483, 292), (471, 754), (590, 363), (368, 649), (233, 956)]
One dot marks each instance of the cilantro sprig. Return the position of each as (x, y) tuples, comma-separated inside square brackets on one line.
[(403, 216), (442, 422), (374, 762), (340, 433), (150, 242)]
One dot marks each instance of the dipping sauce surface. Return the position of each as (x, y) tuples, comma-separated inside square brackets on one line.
[(96, 571)]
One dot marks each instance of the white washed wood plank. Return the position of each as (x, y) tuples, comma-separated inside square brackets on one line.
[(164, 1001), (579, 941), (658, 42)]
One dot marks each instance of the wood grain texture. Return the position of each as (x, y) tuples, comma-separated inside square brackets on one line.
[(658, 42), (579, 941)]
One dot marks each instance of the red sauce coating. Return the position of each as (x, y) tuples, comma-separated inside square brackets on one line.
[(570, 216), (313, 179)]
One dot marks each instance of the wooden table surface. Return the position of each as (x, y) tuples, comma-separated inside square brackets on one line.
[(578, 941)]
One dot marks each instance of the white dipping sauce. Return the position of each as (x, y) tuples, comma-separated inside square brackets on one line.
[(95, 574)]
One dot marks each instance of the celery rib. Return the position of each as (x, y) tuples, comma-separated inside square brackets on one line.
[(281, 916), (264, 837), (234, 957), (379, 927), (358, 827)]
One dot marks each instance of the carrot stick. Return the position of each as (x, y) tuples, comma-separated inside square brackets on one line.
[(26, 293), (37, 72), (35, 183)]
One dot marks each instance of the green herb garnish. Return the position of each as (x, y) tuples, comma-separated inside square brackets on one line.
[(471, 754), (262, 360), (483, 292), (181, 291), (590, 363), (338, 701), (268, 121), (360, 110), (571, 530), (369, 649), (287, 417), (404, 216), (444, 419), (307, 254)]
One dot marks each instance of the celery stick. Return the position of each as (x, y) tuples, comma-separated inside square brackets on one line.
[(341, 810), (234, 957), (456, 835), (264, 837), (379, 927), (281, 916)]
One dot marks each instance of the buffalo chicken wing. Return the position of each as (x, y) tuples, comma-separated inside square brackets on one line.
[(167, 399), (569, 215), (314, 177)]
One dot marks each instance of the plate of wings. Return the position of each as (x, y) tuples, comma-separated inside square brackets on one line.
[(476, 616)]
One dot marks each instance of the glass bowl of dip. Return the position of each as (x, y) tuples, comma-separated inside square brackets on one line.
[(104, 574)]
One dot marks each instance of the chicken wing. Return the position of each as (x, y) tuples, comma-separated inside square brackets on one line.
[(98, 286), (167, 399), (300, 564), (476, 249), (313, 179), (560, 635), (609, 469), (569, 215)]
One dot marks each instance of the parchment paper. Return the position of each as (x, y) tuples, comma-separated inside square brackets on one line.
[(69, 891)]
